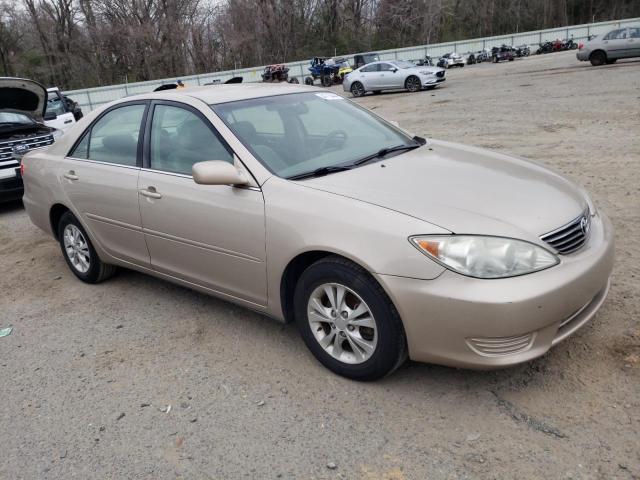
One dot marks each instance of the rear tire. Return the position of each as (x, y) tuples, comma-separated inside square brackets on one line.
[(79, 253), (377, 92), (357, 89), (308, 81), (611, 61), (598, 58), (331, 337)]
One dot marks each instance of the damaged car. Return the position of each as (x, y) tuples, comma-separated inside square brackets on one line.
[(22, 108)]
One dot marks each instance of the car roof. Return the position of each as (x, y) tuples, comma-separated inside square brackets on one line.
[(214, 94)]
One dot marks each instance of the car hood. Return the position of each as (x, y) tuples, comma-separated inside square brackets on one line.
[(19, 94), (464, 190), (427, 68)]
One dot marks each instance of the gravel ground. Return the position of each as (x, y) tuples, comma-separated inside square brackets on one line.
[(138, 378)]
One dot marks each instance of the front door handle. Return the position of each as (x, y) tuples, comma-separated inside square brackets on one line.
[(150, 192), (70, 175)]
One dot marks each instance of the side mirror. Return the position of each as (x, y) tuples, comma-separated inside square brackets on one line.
[(217, 172), (50, 116), (394, 70)]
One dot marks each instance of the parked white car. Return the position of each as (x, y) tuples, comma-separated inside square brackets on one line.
[(58, 115), (392, 75)]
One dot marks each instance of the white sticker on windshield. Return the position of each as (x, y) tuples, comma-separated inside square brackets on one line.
[(329, 96)]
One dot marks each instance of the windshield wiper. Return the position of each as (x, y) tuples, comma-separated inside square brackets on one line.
[(383, 152), (319, 172)]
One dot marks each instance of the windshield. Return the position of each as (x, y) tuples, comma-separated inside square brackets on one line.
[(13, 117), (403, 64), (55, 105), (302, 132)]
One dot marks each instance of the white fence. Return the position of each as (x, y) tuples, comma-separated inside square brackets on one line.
[(91, 98)]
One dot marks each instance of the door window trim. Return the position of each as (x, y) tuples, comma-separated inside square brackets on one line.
[(88, 130), (146, 153)]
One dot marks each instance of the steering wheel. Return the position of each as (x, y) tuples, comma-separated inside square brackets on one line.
[(336, 136)]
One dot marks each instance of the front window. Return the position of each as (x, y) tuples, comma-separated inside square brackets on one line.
[(300, 133), (13, 117), (180, 138)]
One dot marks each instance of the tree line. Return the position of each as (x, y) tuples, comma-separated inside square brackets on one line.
[(85, 43)]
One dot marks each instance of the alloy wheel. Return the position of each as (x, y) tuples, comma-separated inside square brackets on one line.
[(342, 323), (413, 84), (76, 248)]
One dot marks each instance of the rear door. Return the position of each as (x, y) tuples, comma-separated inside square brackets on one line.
[(616, 44), (100, 178), (208, 235), (634, 42)]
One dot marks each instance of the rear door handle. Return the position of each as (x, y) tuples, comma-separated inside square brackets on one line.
[(68, 121), (150, 192), (70, 175)]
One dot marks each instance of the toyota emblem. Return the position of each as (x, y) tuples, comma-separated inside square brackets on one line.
[(585, 225)]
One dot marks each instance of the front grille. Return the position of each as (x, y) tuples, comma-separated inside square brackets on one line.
[(570, 237), (440, 74), (7, 157), (498, 346)]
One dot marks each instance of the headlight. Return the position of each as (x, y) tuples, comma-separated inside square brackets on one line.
[(485, 257), (57, 134)]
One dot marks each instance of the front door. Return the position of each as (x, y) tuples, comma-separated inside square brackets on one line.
[(388, 76), (100, 177), (208, 235)]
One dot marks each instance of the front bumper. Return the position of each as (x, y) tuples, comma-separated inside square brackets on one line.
[(472, 323)]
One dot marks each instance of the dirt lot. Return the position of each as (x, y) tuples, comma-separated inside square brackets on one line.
[(89, 372)]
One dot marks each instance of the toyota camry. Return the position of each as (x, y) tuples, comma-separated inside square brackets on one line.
[(304, 206)]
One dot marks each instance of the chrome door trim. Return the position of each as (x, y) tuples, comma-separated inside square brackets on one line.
[(110, 221), (183, 175), (98, 162), (205, 246)]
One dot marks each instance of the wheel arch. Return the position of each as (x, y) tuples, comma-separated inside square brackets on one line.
[(601, 51), (55, 214), (294, 269)]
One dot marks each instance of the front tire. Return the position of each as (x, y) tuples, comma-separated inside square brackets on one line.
[(347, 320), (79, 253), (357, 89), (413, 84)]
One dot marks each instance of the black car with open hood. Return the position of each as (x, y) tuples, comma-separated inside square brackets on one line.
[(22, 107)]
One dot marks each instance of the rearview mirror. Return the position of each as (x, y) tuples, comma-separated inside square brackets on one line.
[(50, 116), (217, 172)]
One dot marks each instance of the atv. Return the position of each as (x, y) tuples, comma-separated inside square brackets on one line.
[(277, 73), (329, 70)]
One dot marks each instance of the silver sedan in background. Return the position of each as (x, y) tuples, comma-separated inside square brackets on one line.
[(392, 75), (609, 47)]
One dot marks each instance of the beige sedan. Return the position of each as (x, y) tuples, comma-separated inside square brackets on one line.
[(299, 204)]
